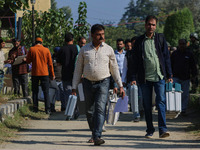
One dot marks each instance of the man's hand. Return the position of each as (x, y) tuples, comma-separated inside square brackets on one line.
[(7, 61), (52, 78), (122, 92), (73, 92), (115, 90), (133, 82), (124, 84), (170, 80)]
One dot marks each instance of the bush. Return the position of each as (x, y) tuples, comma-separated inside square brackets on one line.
[(179, 26)]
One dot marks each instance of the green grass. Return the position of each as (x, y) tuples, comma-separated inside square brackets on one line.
[(11, 125), (194, 102)]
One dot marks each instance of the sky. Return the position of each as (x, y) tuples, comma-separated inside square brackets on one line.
[(98, 11)]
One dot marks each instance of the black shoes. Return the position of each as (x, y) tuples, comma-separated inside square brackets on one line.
[(48, 112), (35, 110), (98, 141), (63, 109)]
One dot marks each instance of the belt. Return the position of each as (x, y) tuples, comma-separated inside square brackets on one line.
[(96, 82)]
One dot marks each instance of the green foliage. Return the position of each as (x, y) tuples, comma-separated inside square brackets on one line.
[(53, 4), (26, 112), (137, 11), (51, 26), (14, 5), (194, 101), (82, 27), (67, 11), (113, 33), (5, 132), (179, 25)]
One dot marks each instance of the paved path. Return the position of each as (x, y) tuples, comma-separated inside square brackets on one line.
[(56, 133)]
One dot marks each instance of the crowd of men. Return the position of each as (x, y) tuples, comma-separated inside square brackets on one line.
[(144, 61)]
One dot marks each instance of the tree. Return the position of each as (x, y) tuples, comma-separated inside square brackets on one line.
[(179, 25), (136, 13), (113, 33), (14, 5), (82, 27), (174, 5), (52, 26), (67, 11), (53, 5)]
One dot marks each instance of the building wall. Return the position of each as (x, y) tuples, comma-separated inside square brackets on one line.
[(40, 5)]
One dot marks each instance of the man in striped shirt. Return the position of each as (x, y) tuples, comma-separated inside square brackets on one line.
[(96, 60)]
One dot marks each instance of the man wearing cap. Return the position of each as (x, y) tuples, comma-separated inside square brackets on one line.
[(195, 49), (2, 59), (40, 57), (19, 71)]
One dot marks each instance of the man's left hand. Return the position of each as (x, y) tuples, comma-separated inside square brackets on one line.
[(122, 92)]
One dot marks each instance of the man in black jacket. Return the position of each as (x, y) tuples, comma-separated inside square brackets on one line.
[(151, 66), (183, 66), (66, 58)]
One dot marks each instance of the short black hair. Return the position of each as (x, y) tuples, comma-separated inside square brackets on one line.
[(184, 40), (97, 27), (15, 40), (119, 40), (69, 37), (38, 42), (127, 41), (1, 40), (133, 38), (80, 38), (149, 17)]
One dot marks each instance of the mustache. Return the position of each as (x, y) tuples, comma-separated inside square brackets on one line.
[(101, 38)]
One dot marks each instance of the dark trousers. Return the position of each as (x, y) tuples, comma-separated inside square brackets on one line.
[(44, 82), (20, 79)]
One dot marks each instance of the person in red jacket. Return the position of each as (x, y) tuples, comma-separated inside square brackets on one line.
[(19, 70), (42, 70)]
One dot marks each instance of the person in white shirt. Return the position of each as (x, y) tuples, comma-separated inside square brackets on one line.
[(96, 63)]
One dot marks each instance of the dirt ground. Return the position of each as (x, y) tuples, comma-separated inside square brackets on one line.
[(57, 133)]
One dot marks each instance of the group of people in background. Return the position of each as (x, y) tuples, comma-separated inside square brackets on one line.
[(145, 61)]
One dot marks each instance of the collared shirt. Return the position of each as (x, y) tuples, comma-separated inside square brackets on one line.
[(2, 59), (96, 65), (14, 53), (151, 61), (120, 60)]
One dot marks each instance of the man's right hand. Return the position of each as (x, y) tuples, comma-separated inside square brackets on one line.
[(115, 90), (133, 82), (73, 92)]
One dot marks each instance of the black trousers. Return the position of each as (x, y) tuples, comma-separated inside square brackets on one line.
[(44, 82), (21, 79)]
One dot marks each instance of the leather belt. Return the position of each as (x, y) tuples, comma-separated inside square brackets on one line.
[(95, 82)]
